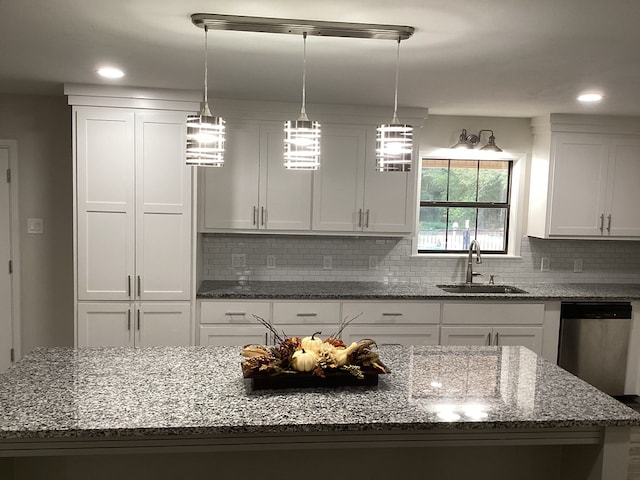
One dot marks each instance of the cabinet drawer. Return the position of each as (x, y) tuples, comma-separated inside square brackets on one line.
[(392, 312), (237, 335), (493, 313), (395, 335), (233, 312), (306, 312)]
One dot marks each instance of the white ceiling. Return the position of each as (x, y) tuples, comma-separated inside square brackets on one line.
[(517, 58)]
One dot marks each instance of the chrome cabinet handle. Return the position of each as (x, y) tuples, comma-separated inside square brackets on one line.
[(262, 216), (497, 339), (139, 287), (489, 338), (609, 223), (235, 313), (360, 218), (309, 314), (388, 314), (129, 286), (254, 216), (129, 320), (601, 223), (138, 322), (366, 223)]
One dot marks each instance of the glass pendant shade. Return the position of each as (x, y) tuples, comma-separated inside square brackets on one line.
[(301, 145), (394, 147), (205, 140)]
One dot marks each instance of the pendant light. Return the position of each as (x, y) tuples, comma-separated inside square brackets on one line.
[(205, 132), (302, 136), (394, 142)]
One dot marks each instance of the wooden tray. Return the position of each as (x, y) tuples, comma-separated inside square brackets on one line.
[(306, 380)]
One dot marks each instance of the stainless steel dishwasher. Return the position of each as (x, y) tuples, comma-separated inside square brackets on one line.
[(594, 343)]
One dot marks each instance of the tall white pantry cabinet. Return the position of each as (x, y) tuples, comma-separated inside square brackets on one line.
[(133, 224)]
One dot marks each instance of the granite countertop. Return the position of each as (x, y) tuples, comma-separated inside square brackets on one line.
[(409, 291), (59, 393)]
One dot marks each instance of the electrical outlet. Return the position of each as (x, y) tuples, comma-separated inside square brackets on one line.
[(327, 262), (577, 265), (545, 264), (373, 262), (35, 225), (271, 261), (238, 260)]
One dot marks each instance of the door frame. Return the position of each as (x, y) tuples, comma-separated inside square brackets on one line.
[(12, 147)]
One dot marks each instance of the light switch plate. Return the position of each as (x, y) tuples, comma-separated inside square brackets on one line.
[(238, 260), (35, 225), (271, 261), (327, 262), (577, 265), (373, 262), (545, 264)]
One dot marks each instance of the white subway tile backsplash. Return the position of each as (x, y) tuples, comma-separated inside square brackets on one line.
[(300, 259)]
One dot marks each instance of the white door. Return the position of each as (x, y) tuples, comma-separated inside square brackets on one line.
[(579, 184), (338, 186), (105, 203), (105, 325), (481, 336), (6, 319), (284, 194), (229, 194), (388, 199), (163, 208), (163, 324), (623, 191)]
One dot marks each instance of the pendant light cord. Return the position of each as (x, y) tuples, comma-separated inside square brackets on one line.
[(205, 107), (303, 112), (395, 102)]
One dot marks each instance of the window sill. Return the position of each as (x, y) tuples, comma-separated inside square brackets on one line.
[(465, 255)]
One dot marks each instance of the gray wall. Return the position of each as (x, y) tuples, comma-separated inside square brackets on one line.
[(42, 127)]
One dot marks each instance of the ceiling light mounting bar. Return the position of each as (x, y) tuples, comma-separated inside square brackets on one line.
[(298, 27)]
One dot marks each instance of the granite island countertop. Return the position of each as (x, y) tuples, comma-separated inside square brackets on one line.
[(327, 290), (63, 393)]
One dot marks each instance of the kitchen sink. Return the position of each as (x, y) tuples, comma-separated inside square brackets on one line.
[(479, 288)]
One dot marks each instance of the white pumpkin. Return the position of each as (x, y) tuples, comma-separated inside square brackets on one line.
[(311, 343), (304, 360)]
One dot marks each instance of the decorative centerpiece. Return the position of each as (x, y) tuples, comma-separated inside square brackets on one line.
[(311, 361)]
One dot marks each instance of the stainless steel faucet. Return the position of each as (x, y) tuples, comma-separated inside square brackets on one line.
[(470, 272)]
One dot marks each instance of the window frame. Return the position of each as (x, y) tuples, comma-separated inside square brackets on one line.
[(515, 215)]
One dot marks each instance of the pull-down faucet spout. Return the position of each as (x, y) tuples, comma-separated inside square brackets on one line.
[(470, 272)]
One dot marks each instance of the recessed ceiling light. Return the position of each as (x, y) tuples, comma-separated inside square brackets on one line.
[(110, 72), (590, 97)]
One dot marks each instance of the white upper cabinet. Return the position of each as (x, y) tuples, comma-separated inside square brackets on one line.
[(350, 195), (253, 190), (133, 205), (584, 185)]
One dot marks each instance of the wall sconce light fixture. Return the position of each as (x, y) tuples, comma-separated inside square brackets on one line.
[(471, 140)]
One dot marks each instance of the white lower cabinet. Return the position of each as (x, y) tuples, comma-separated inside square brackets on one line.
[(233, 322), (489, 323), (403, 323), (304, 318), (133, 324)]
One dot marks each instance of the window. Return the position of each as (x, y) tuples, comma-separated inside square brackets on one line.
[(461, 200)]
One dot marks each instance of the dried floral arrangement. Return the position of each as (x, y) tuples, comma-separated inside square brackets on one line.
[(311, 356)]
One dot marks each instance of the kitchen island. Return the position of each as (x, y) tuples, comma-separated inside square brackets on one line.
[(449, 412)]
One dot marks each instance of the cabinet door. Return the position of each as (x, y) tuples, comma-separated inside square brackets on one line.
[(530, 337), (163, 324), (338, 186), (105, 203), (393, 335), (623, 191), (163, 208), (481, 336), (221, 335), (285, 195), (105, 325), (229, 194), (389, 203), (577, 205)]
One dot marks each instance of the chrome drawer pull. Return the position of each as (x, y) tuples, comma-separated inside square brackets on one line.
[(235, 313), (385, 314), (306, 314), (488, 339)]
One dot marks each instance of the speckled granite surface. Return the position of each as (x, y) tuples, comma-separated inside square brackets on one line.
[(409, 291), (126, 392)]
